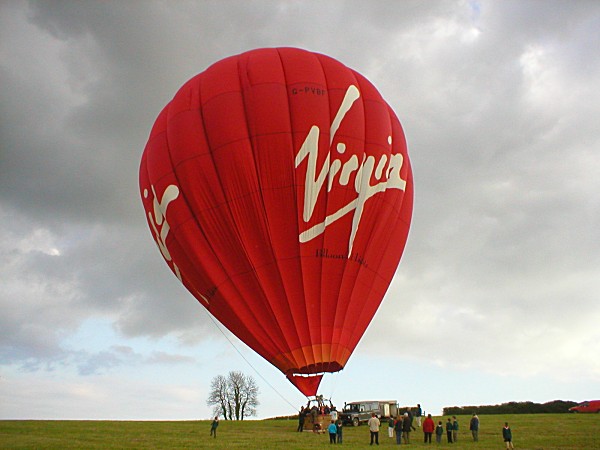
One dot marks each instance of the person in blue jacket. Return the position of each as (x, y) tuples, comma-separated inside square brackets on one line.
[(332, 428)]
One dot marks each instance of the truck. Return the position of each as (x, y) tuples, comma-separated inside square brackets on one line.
[(590, 406), (356, 413)]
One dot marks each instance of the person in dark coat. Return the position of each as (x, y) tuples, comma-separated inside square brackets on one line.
[(449, 429), (439, 431), (398, 429), (406, 428), (301, 416), (474, 427), (339, 431), (507, 435), (454, 429), (213, 427)]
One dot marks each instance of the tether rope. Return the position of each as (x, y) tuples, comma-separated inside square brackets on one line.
[(244, 358)]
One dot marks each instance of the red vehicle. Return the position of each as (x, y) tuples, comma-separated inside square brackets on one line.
[(592, 406)]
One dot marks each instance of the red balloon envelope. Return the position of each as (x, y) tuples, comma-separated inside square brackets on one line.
[(278, 188)]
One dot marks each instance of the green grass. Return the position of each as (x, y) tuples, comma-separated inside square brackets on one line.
[(534, 431)]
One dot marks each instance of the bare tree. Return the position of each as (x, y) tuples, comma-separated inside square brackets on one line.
[(234, 397), (219, 397)]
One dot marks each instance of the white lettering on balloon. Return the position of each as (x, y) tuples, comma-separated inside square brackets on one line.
[(158, 220), (314, 183)]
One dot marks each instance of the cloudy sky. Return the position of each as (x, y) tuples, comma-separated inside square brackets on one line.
[(497, 295)]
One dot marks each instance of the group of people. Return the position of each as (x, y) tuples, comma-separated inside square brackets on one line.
[(314, 411), (402, 426), (335, 432), (451, 430)]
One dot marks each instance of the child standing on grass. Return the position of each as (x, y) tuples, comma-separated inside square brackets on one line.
[(332, 428), (213, 427), (507, 435), (454, 429), (339, 431), (449, 429), (439, 432)]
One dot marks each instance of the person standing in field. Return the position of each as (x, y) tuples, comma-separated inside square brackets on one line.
[(507, 435), (334, 414), (419, 413), (339, 431), (474, 427), (439, 431), (398, 429), (428, 428), (374, 428), (406, 428), (454, 429), (301, 416), (449, 431), (213, 427), (391, 427), (332, 429), (411, 418)]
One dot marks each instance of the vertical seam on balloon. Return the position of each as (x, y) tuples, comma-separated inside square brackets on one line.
[(303, 349), (199, 228), (260, 282), (348, 267), (302, 320), (241, 245), (359, 320), (342, 304), (193, 217), (325, 359), (357, 335)]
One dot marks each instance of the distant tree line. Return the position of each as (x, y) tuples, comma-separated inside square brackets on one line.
[(554, 407)]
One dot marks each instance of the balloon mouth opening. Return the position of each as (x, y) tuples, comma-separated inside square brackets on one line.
[(315, 369), (306, 383), (305, 375), (307, 378)]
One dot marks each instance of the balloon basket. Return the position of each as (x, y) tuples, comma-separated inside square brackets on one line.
[(317, 424)]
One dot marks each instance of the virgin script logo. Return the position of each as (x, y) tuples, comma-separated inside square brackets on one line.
[(386, 174), (157, 218)]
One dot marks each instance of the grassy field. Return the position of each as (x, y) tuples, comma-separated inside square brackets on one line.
[(535, 431)]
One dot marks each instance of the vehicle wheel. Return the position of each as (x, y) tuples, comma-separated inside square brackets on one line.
[(355, 422)]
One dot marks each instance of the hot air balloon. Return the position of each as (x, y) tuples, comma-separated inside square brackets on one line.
[(278, 188)]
